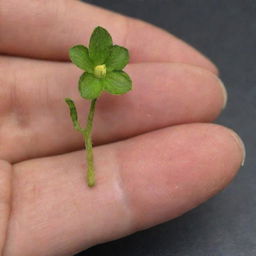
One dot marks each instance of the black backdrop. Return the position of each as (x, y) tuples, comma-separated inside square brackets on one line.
[(225, 31)]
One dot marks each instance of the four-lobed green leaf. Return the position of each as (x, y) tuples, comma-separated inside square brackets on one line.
[(103, 65), (101, 54)]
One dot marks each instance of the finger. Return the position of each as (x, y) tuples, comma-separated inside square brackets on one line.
[(35, 115), (47, 29), (5, 200), (141, 182)]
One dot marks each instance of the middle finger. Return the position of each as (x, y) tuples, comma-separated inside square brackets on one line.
[(35, 118)]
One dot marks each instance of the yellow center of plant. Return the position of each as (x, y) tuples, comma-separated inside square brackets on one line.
[(100, 71)]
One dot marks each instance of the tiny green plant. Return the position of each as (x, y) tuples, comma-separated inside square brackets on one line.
[(103, 64)]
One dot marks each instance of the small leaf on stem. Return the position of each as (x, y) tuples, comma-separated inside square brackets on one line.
[(73, 113)]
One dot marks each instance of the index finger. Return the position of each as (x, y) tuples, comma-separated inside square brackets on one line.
[(47, 29)]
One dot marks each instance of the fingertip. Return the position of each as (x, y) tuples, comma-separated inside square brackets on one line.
[(183, 167), (240, 144)]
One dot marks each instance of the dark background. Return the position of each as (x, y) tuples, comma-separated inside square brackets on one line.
[(225, 31)]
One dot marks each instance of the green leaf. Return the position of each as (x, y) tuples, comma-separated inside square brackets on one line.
[(90, 87), (79, 55), (117, 82), (99, 46), (73, 113), (118, 58)]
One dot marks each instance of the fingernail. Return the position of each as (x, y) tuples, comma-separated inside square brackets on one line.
[(241, 145), (224, 92)]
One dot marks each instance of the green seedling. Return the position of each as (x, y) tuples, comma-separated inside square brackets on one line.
[(103, 64)]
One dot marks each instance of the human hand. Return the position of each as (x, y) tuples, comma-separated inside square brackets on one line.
[(177, 161)]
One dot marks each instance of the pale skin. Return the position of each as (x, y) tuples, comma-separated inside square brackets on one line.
[(169, 157)]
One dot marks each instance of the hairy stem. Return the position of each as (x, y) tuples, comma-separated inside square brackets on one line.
[(88, 145)]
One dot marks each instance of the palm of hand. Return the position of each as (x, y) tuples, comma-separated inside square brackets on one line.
[(176, 162)]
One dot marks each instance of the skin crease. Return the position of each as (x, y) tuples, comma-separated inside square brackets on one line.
[(5, 199), (152, 176)]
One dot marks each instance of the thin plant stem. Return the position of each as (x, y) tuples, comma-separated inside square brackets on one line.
[(88, 145)]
